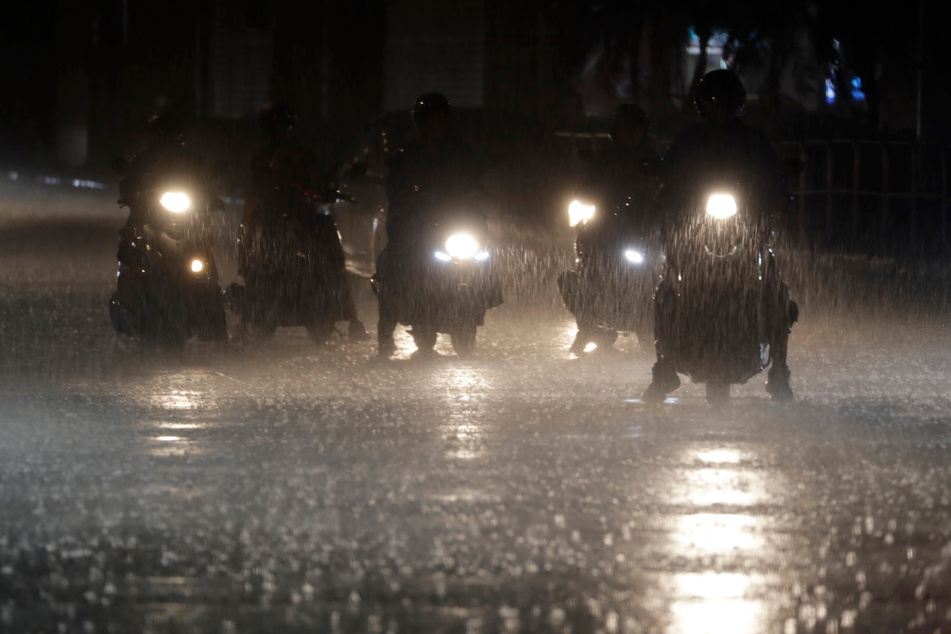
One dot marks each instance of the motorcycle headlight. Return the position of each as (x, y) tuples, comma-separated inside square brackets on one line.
[(462, 246), (721, 206), (197, 266), (176, 202), (634, 256), (579, 212)]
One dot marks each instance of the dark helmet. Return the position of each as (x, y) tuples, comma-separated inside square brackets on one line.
[(428, 104), (164, 125), (721, 89), (276, 116), (628, 115)]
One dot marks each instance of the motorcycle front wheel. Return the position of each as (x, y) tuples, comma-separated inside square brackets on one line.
[(718, 393), (463, 340), (320, 331), (424, 338)]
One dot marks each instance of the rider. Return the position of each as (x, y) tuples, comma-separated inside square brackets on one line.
[(279, 165), (165, 150), (280, 169), (165, 153), (619, 173), (433, 165), (615, 178), (723, 144)]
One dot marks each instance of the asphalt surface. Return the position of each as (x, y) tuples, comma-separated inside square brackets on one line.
[(280, 487)]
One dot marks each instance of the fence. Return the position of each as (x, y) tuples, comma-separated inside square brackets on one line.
[(872, 197)]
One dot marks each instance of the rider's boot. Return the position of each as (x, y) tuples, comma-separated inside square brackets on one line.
[(664, 381), (357, 331), (582, 339), (777, 382), (385, 328), (588, 333), (606, 338)]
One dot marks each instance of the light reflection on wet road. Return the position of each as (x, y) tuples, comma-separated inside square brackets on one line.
[(285, 488)]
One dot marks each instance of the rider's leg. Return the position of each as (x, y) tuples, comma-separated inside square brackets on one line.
[(386, 325), (356, 331), (587, 332), (782, 313), (664, 379), (777, 381), (385, 328)]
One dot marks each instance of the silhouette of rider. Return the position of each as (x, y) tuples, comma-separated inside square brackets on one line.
[(723, 145)]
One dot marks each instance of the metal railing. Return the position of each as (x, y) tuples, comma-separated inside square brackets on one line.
[(873, 197)]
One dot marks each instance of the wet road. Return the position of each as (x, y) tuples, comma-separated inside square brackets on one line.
[(285, 488)]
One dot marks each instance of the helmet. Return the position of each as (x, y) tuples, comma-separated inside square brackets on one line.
[(721, 89), (276, 116), (628, 115), (164, 124), (428, 104)]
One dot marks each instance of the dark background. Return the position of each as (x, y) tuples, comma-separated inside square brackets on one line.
[(102, 66)]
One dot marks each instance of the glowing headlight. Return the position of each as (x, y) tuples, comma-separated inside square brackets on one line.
[(177, 202), (579, 212), (197, 266), (635, 257), (721, 206), (462, 246)]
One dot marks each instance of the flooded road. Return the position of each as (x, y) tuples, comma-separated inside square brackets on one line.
[(280, 487)]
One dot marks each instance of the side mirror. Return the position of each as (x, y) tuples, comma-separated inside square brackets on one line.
[(121, 166), (356, 170)]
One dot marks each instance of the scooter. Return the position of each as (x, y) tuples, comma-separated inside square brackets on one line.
[(294, 269), (618, 261), (167, 285), (721, 291), (444, 280)]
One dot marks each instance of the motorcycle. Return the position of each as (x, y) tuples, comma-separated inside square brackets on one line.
[(167, 285), (721, 291), (294, 269), (618, 261), (444, 280)]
